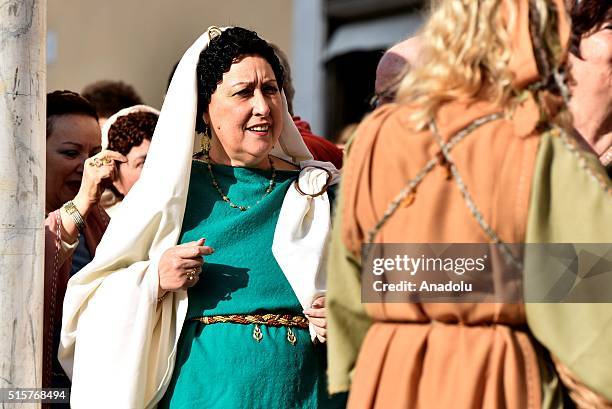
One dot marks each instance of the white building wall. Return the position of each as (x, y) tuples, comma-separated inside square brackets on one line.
[(307, 63)]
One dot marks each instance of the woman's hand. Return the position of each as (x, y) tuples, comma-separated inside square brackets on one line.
[(316, 316), (98, 171), (180, 266)]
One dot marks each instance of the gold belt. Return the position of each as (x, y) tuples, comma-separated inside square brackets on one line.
[(272, 320)]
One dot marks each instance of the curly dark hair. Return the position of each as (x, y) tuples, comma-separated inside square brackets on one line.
[(109, 97), (130, 130), (66, 102), (219, 56), (586, 16)]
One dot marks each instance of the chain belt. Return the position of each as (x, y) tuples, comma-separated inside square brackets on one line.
[(272, 320)]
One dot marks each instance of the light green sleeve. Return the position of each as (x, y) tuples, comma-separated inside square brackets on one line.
[(347, 319), (570, 204)]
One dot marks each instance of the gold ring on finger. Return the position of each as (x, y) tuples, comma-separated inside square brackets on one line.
[(106, 161), (97, 162), (191, 274)]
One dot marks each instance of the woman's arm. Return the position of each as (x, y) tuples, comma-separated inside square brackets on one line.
[(59, 245)]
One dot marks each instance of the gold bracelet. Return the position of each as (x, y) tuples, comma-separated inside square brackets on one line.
[(160, 299), (74, 213)]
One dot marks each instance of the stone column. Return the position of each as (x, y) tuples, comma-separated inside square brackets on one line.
[(22, 191)]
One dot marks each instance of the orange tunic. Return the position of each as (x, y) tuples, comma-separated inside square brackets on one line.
[(460, 349)]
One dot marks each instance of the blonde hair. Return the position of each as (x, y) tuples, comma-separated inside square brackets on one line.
[(466, 54)]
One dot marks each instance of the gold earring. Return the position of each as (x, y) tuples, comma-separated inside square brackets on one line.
[(205, 142)]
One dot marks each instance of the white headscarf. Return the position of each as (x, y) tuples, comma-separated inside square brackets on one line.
[(109, 200), (124, 112), (117, 344)]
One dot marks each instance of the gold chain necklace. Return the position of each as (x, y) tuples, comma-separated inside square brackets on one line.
[(226, 198)]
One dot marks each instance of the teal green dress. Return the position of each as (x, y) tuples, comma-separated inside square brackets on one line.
[(221, 365)]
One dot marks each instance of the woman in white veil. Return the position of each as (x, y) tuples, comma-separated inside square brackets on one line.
[(124, 312)]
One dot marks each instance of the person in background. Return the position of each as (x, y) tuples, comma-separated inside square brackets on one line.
[(75, 177), (128, 132), (393, 65), (591, 67), (321, 148), (108, 97)]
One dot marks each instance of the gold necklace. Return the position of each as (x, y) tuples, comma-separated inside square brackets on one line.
[(226, 198)]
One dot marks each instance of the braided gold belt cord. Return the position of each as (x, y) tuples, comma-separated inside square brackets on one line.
[(273, 320)]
